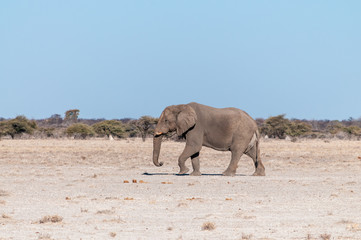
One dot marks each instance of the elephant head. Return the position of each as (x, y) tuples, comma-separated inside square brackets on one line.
[(178, 118)]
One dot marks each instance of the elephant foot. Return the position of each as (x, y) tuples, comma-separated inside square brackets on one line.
[(229, 173), (259, 172), (183, 171), (196, 173)]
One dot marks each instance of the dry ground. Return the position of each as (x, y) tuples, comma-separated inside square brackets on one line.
[(69, 189)]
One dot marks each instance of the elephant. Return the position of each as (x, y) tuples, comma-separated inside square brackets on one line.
[(223, 129)]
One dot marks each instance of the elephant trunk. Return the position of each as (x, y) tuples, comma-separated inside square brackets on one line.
[(157, 142)]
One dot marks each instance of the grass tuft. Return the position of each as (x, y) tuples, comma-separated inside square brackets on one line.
[(3, 193), (325, 236), (208, 226), (51, 219)]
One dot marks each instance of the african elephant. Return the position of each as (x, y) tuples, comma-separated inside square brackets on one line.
[(223, 129)]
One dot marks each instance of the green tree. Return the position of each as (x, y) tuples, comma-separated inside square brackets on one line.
[(80, 130), (298, 128), (5, 128), (353, 130), (276, 127), (71, 116), (17, 126), (146, 125), (131, 129), (55, 119), (109, 127), (335, 127)]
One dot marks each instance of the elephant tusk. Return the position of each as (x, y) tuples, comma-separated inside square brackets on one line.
[(158, 133)]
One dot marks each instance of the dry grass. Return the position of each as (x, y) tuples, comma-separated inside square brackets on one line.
[(58, 153), (208, 226), (354, 227), (44, 236), (325, 236), (246, 236), (309, 237), (51, 219), (5, 216), (3, 193), (307, 189), (106, 212)]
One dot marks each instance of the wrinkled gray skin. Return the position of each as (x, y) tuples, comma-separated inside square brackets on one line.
[(226, 129)]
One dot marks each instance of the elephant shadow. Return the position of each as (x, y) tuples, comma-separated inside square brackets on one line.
[(176, 174)]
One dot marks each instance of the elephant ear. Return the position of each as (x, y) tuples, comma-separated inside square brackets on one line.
[(186, 119)]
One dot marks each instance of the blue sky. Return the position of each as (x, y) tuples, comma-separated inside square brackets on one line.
[(117, 59)]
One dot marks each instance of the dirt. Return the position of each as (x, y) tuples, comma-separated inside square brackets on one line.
[(101, 189)]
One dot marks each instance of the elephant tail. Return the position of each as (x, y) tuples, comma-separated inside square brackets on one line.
[(257, 145), (254, 141), (258, 136)]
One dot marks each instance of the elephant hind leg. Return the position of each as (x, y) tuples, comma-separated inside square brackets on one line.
[(255, 154), (231, 170)]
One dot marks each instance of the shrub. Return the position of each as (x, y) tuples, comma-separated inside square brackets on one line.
[(55, 119), (5, 128), (17, 126), (48, 132), (109, 127), (276, 127), (51, 219), (208, 226), (279, 127), (131, 129), (80, 130), (353, 130), (298, 128), (334, 127), (146, 125)]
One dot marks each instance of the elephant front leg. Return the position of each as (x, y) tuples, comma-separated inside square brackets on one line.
[(195, 165), (187, 153)]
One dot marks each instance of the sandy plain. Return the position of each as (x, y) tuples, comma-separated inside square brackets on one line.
[(101, 189)]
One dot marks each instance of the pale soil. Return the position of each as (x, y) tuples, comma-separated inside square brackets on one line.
[(312, 191)]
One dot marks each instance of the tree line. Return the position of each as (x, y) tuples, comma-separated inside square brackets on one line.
[(72, 126)]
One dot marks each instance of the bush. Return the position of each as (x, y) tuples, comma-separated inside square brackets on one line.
[(48, 132), (131, 129), (80, 130), (353, 130), (17, 126), (334, 127), (280, 127), (109, 127), (276, 127), (55, 119), (5, 128), (298, 128), (146, 125)]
